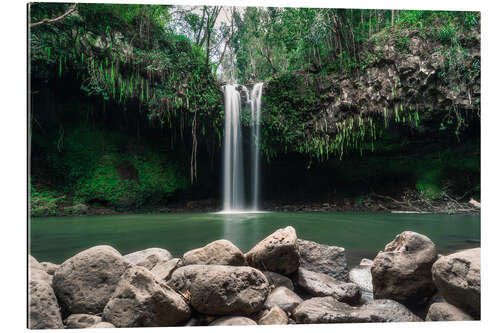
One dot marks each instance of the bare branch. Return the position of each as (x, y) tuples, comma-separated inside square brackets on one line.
[(70, 10)]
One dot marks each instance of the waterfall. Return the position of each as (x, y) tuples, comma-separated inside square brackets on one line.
[(233, 178), (255, 102)]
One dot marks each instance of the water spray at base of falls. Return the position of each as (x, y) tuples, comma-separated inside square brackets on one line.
[(233, 178)]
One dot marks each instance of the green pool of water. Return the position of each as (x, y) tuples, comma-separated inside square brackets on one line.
[(55, 239)]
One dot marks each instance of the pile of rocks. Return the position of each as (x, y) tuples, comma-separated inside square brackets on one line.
[(282, 280)]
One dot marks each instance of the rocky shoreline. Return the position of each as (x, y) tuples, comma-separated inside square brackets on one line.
[(281, 280)]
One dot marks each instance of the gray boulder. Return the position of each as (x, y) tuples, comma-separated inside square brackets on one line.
[(233, 321), (278, 252), (103, 324), (319, 258), (148, 258), (219, 252), (458, 278), (283, 298), (49, 267), (81, 321), (274, 316), (221, 290), (442, 311), (43, 309), (321, 310), (85, 282), (402, 271), (277, 280), (318, 284), (163, 270), (141, 300)]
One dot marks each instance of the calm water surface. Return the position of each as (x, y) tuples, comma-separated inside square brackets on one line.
[(55, 239)]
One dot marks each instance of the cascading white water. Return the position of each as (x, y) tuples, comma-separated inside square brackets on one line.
[(233, 155), (255, 103), (233, 186)]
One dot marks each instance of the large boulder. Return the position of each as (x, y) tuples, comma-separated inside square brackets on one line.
[(283, 298), (43, 307), (148, 258), (320, 310), (443, 311), (274, 316), (458, 278), (81, 321), (278, 252), (49, 267), (233, 321), (219, 252), (163, 270), (277, 280), (318, 284), (221, 290), (141, 300), (402, 271), (319, 258), (85, 282)]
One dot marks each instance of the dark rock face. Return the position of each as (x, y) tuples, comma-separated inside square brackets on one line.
[(221, 290), (278, 252), (43, 307), (319, 258), (140, 300), (275, 316), (163, 270), (233, 321), (283, 298), (321, 310), (81, 321), (458, 278), (277, 280), (443, 311), (219, 252), (402, 271), (148, 258), (85, 282), (318, 284)]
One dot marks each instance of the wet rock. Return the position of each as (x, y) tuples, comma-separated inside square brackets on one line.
[(283, 298), (85, 282), (148, 258), (219, 252), (402, 271), (319, 258), (163, 270), (81, 321), (443, 311), (458, 278), (320, 310), (140, 300), (278, 252), (318, 284), (221, 290), (233, 321), (275, 316), (43, 309), (49, 267), (277, 280)]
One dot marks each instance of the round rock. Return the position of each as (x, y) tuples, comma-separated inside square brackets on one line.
[(283, 298), (233, 321), (319, 258), (277, 280), (219, 252), (443, 311), (221, 290), (43, 307), (81, 321), (148, 258), (275, 316), (85, 282)]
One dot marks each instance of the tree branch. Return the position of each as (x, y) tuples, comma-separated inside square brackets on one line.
[(70, 10)]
